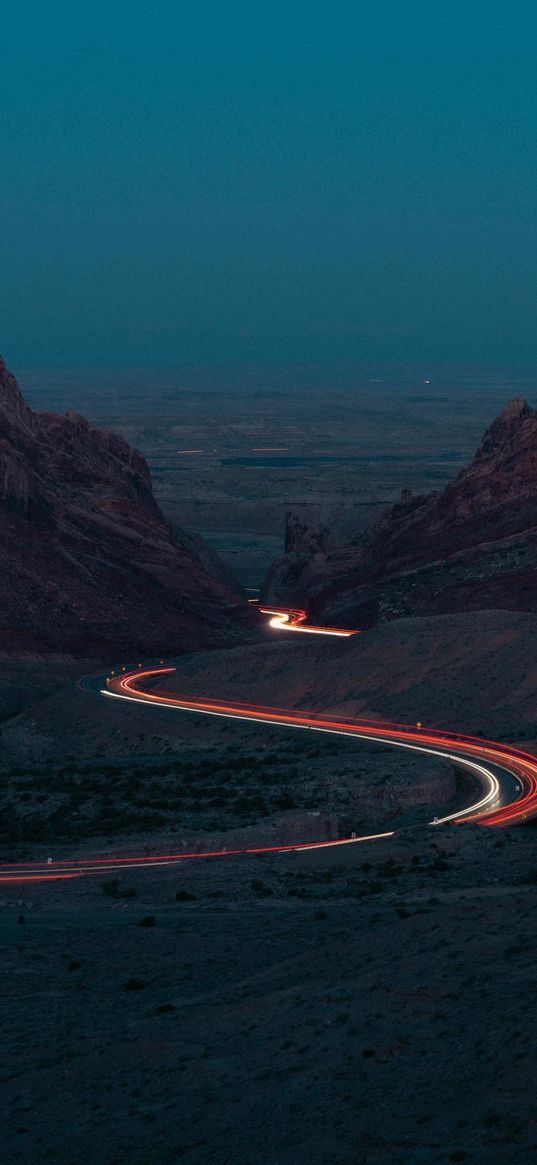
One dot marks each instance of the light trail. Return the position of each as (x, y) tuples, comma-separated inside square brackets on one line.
[(292, 619), (127, 688), (508, 788), (69, 868)]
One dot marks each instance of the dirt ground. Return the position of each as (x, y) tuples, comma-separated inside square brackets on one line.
[(364, 1006), (369, 1005)]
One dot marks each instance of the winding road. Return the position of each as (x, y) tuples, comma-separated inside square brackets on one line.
[(506, 776)]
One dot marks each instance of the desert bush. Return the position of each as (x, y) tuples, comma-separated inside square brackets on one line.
[(113, 889), (261, 888)]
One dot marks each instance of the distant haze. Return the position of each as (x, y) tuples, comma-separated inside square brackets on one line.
[(224, 182)]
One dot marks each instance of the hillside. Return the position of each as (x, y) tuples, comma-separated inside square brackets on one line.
[(470, 546), (90, 566)]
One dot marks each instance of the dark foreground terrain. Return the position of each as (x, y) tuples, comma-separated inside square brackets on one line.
[(363, 1006), (368, 1005)]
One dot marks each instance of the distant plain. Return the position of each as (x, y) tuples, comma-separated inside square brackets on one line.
[(232, 450)]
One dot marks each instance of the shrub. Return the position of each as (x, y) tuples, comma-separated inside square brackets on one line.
[(134, 985), (260, 888), (374, 887), (389, 869), (113, 889)]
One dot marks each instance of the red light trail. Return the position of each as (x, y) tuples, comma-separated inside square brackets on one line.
[(508, 790)]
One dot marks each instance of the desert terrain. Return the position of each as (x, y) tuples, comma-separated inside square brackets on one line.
[(367, 996), (232, 450), (344, 1008), (268, 583), (370, 1005)]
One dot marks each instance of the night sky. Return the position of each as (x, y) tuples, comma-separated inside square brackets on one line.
[(283, 181)]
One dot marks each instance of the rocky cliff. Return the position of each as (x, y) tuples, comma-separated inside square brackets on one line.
[(471, 546), (89, 565)]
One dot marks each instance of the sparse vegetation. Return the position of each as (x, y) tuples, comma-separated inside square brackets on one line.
[(261, 889), (113, 888), (53, 803)]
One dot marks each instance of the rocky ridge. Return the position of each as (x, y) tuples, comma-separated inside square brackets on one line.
[(90, 566), (470, 546)]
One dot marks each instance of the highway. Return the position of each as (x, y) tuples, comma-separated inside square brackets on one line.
[(293, 619), (505, 776)]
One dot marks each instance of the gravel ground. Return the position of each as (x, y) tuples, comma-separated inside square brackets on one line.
[(367, 1005)]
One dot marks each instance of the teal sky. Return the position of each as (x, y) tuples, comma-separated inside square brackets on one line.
[(223, 181)]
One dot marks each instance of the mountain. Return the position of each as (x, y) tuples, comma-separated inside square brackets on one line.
[(89, 564), (470, 546)]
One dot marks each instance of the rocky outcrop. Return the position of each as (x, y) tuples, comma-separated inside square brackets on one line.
[(303, 538), (90, 566), (472, 545)]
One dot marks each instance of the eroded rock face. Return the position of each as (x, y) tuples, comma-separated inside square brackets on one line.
[(303, 538), (472, 545), (89, 565)]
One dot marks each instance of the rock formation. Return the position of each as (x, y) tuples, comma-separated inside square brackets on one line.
[(89, 565), (303, 538), (471, 546)]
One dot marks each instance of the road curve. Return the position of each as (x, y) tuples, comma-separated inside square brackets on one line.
[(293, 619), (506, 776)]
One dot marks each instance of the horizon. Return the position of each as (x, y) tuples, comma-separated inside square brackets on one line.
[(268, 598)]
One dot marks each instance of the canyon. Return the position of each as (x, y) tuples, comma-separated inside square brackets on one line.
[(90, 565), (469, 546)]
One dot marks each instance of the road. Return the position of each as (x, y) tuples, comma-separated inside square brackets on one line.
[(293, 619), (506, 776)]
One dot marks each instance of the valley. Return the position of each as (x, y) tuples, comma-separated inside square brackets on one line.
[(231, 451), (169, 1012)]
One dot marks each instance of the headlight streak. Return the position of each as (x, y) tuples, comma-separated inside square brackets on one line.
[(291, 619), (486, 810), (78, 867), (487, 777)]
